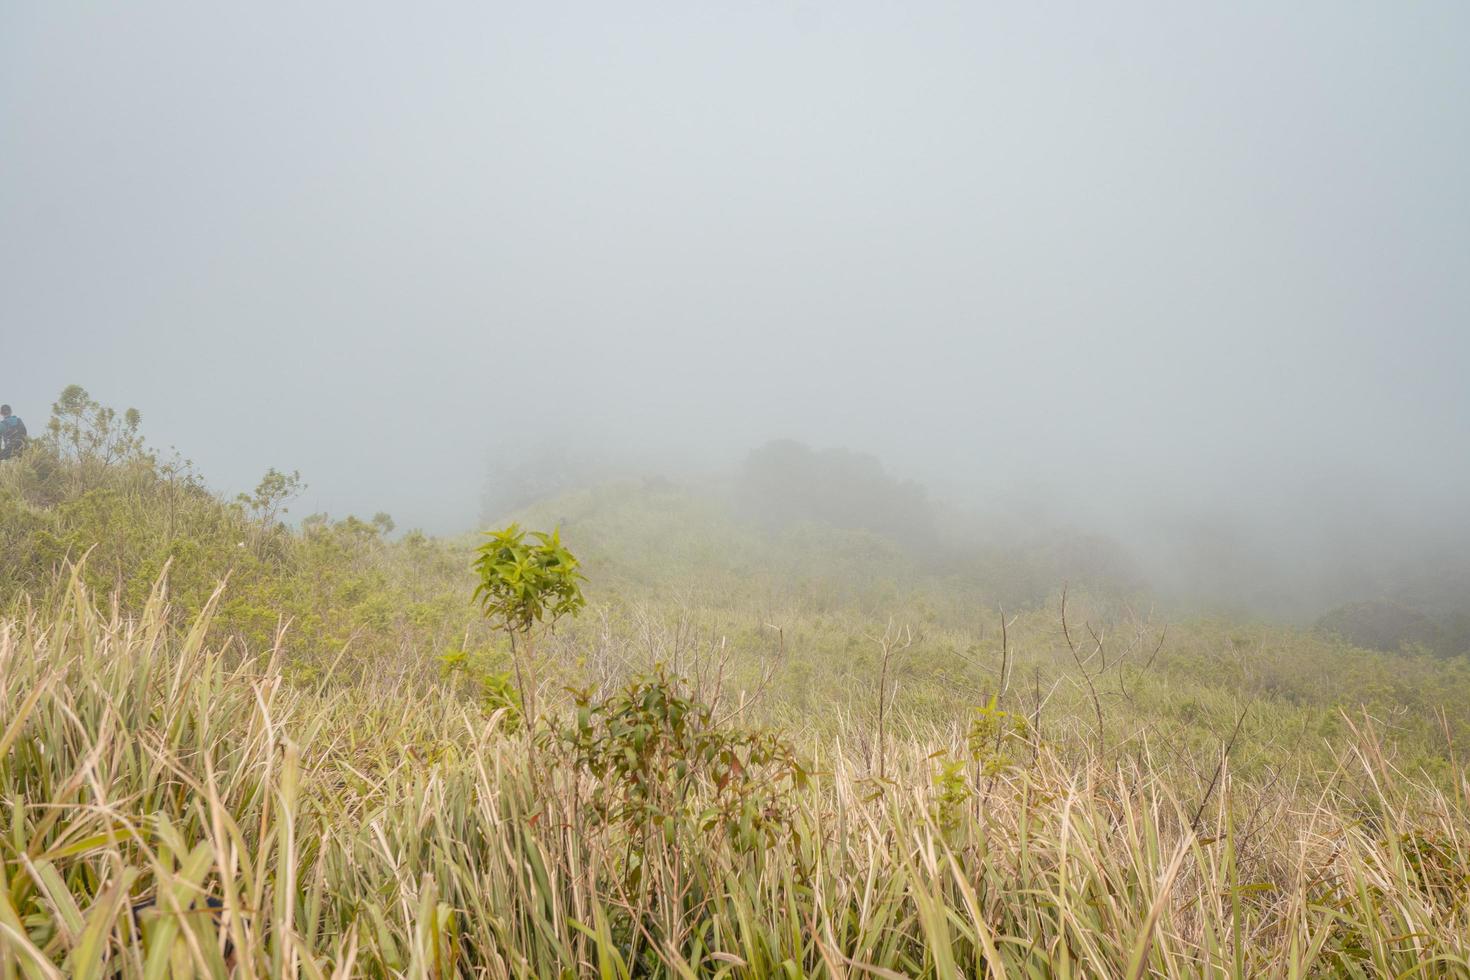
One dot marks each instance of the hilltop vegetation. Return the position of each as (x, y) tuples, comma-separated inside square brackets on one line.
[(775, 743), (791, 603), (831, 524), (93, 494)]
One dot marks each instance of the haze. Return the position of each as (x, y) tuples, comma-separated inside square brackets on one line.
[(1132, 267)]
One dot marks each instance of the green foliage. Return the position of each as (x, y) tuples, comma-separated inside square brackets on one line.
[(992, 741), (495, 690), (661, 763), (83, 430), (526, 578), (952, 793), (90, 489), (1396, 627), (994, 735), (271, 494)]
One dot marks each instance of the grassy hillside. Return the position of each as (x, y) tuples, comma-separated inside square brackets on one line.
[(232, 747), (177, 810)]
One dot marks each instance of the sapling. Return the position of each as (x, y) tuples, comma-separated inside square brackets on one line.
[(527, 580)]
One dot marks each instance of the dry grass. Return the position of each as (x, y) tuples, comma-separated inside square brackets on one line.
[(175, 810)]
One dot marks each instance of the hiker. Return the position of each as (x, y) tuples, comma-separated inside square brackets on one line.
[(12, 434)]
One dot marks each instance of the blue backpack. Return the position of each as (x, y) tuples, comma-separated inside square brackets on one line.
[(13, 436)]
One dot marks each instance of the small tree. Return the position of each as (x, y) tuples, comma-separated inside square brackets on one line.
[(526, 579), (85, 431), (271, 495)]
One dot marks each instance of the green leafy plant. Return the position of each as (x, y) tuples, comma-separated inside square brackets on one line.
[(495, 689), (662, 764), (992, 736), (526, 579), (952, 793)]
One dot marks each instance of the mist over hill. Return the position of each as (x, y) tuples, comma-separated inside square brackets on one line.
[(1178, 281), (1018, 549)]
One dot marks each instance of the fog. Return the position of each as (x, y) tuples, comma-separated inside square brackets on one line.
[(1178, 274)]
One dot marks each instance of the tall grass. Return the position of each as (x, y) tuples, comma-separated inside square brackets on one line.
[(174, 809)]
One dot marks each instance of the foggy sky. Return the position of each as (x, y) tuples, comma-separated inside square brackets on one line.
[(1137, 261)]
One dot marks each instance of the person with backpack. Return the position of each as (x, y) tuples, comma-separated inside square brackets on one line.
[(12, 434)]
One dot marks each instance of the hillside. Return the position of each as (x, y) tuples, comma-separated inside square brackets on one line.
[(769, 749)]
